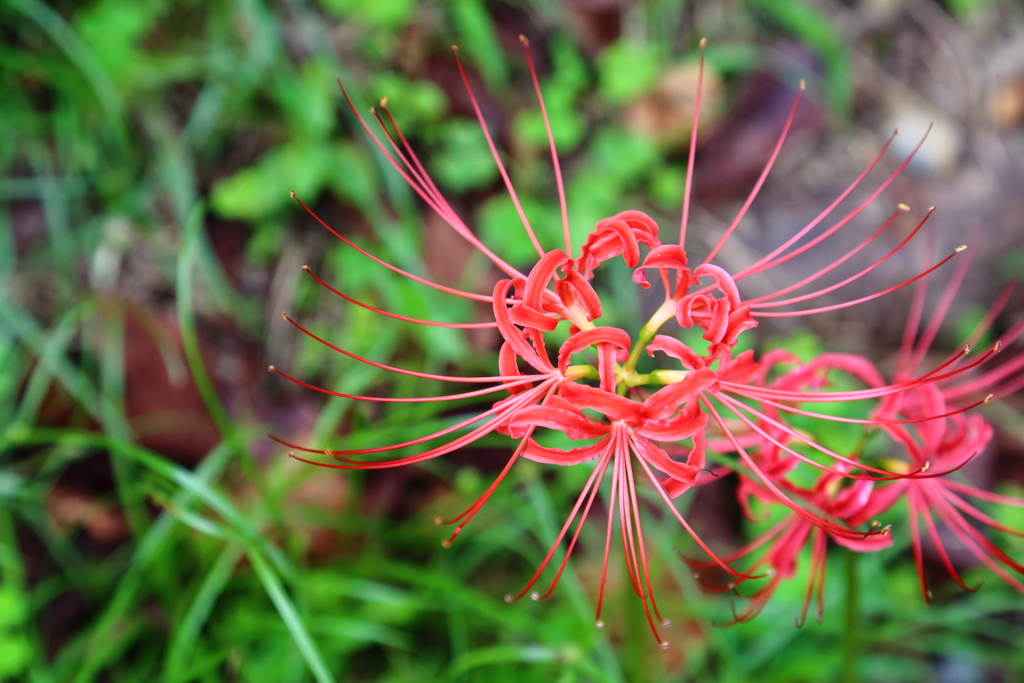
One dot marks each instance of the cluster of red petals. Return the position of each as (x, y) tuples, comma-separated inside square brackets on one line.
[(717, 406)]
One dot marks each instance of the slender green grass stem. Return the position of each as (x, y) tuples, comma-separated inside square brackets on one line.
[(851, 639)]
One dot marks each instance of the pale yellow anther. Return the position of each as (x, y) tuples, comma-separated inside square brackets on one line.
[(803, 85), (930, 209), (903, 207), (703, 43), (989, 398), (270, 368), (998, 347), (524, 40), (927, 466), (384, 102), (886, 530), (961, 248), (292, 194), (967, 348)]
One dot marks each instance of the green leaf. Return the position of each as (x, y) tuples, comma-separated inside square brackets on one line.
[(286, 608), (352, 177), (478, 37), (802, 344), (261, 190), (463, 161), (388, 14), (622, 155), (816, 30), (308, 102), (627, 70), (667, 184), (965, 8), (15, 655), (13, 607), (113, 29), (265, 244), (568, 125), (412, 103), (502, 230)]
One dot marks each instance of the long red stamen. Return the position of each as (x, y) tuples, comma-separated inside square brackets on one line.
[(396, 269), (913, 507), (425, 194), (417, 399), (470, 512), (642, 548), (736, 406), (760, 181), (783, 498), (679, 518), (770, 261), (940, 547), (691, 154), (497, 157), (432, 323), (602, 467), (757, 303), (912, 326), (989, 521), (402, 371), (939, 314), (860, 394), (854, 302), (872, 421), (586, 497), (551, 144), (502, 413)]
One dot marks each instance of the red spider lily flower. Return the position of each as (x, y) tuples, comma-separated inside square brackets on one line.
[(717, 401), (782, 545), (948, 444)]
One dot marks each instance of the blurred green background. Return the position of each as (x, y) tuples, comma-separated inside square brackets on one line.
[(148, 244)]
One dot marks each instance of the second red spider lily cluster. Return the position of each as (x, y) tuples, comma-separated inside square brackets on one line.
[(707, 411)]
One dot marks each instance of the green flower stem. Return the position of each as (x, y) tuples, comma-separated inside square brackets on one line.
[(647, 332), (851, 640), (626, 375)]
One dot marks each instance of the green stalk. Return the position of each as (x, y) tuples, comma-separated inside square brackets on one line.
[(851, 641)]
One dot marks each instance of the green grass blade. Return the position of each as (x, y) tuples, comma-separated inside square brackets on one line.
[(290, 616)]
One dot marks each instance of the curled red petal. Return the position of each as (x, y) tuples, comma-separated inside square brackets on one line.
[(722, 278), (611, 405), (718, 325), (689, 421), (676, 349), (657, 457), (507, 366), (581, 288), (741, 370), (572, 423), (541, 275), (666, 401), (557, 456), (598, 335), (510, 332), (526, 316), (868, 544)]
